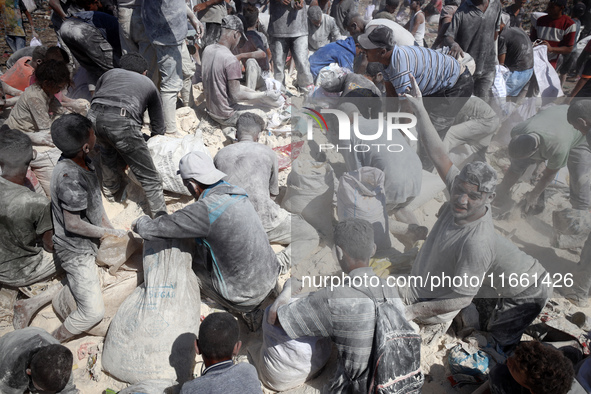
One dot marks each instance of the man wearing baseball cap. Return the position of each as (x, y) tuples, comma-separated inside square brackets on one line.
[(222, 71), (437, 75), (556, 30), (235, 263)]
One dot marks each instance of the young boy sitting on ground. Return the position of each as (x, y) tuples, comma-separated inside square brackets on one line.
[(218, 343), (25, 217), (79, 221), (34, 112)]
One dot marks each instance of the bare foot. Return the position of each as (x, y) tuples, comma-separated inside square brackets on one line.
[(22, 315)]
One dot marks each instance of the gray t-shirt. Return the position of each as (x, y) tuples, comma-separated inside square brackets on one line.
[(254, 167), (340, 10), (557, 136), (133, 91), (454, 250), (165, 21), (286, 21), (75, 189), (16, 350), (225, 378), (327, 32), (24, 217), (218, 66), (511, 261), (475, 31), (246, 267), (212, 14), (69, 7), (517, 47)]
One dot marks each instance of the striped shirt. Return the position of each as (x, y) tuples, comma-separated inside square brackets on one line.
[(348, 318), (559, 32), (433, 70)]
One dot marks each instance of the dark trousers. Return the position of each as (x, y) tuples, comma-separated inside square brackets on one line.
[(443, 107), (122, 143)]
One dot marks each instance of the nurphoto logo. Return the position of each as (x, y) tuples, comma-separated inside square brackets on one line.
[(392, 124)]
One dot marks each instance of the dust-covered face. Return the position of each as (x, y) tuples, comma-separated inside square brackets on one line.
[(375, 55), (467, 203)]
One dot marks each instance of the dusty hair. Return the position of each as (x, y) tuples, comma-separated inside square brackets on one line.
[(547, 370)]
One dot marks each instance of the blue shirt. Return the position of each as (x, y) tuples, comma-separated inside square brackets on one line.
[(341, 52), (433, 70)]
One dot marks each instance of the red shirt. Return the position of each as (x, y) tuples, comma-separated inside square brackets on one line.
[(558, 32)]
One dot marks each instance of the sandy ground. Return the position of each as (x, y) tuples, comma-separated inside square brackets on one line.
[(533, 235)]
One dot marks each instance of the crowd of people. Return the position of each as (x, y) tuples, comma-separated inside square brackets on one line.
[(77, 115)]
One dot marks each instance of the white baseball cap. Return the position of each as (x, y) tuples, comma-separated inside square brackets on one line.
[(199, 166)]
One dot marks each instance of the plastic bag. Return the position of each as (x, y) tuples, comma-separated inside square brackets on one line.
[(35, 42), (167, 153), (546, 75), (286, 154), (153, 334), (499, 88), (284, 363), (465, 362), (114, 251)]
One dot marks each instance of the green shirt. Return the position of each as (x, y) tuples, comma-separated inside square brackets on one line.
[(557, 136)]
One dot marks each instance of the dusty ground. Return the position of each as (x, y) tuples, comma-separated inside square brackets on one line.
[(533, 235)]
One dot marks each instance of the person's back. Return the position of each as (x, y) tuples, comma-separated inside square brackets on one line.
[(402, 37), (126, 89), (253, 167), (343, 313), (520, 55), (225, 378), (218, 342), (341, 52), (219, 65), (245, 267), (556, 137), (24, 216), (340, 10)]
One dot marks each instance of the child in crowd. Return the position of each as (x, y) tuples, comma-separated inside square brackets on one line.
[(35, 111), (535, 368), (416, 24), (79, 221)]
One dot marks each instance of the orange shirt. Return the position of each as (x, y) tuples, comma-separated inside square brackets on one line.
[(19, 75)]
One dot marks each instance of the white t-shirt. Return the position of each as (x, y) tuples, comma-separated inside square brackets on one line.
[(401, 35)]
